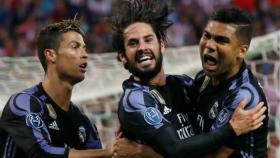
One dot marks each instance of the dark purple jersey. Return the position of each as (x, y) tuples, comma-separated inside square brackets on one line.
[(164, 118), (33, 125), (216, 105)]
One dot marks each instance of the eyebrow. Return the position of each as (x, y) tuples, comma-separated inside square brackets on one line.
[(218, 37), (147, 36), (80, 44)]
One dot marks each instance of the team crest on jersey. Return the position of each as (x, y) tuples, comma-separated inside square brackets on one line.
[(213, 112), (82, 134), (33, 120), (223, 117), (152, 116), (51, 110)]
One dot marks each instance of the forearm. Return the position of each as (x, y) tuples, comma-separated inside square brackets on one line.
[(90, 153), (223, 152), (147, 152), (126, 148), (206, 142)]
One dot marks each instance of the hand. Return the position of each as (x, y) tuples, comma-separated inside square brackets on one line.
[(124, 147), (244, 121)]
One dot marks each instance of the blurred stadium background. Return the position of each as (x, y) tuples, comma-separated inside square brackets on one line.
[(98, 95)]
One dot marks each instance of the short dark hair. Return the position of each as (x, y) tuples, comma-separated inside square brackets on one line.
[(127, 12), (238, 18), (50, 37)]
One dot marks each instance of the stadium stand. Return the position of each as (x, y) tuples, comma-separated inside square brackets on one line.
[(21, 20)]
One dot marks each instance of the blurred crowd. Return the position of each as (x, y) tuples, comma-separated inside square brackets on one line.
[(21, 20)]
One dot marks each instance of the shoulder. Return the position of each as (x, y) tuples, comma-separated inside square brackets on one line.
[(25, 102), (246, 87), (138, 98), (180, 79), (200, 76)]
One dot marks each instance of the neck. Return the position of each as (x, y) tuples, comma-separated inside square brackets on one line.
[(60, 91), (158, 80), (216, 80)]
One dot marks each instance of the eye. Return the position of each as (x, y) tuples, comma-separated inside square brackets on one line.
[(206, 35), (148, 40), (74, 45), (132, 43), (222, 40)]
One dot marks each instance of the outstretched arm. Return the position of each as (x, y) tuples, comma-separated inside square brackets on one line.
[(242, 121), (90, 153), (124, 148)]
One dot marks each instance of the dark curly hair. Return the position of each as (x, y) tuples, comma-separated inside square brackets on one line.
[(127, 12), (50, 36)]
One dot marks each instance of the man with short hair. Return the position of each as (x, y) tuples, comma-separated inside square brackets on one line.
[(41, 121), (226, 80)]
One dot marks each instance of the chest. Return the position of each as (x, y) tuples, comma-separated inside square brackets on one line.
[(210, 102), (66, 129), (174, 109)]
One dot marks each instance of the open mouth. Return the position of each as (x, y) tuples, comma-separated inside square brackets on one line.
[(209, 60), (83, 67), (143, 57)]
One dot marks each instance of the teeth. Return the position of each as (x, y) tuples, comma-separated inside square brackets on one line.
[(83, 65), (145, 58)]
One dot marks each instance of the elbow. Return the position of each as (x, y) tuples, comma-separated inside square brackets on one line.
[(37, 152), (174, 150)]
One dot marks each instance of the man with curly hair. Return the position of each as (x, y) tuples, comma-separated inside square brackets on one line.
[(158, 109)]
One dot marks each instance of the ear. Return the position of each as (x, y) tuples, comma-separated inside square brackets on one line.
[(162, 45), (122, 58), (243, 51), (50, 55)]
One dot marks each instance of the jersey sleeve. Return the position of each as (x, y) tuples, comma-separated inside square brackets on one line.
[(141, 119), (93, 140), (232, 101), (23, 122)]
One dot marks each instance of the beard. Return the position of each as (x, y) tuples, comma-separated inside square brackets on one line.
[(145, 74)]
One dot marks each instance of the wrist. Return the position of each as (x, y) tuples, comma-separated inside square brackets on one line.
[(234, 127)]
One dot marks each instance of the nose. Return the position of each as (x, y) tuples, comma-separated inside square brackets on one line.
[(84, 54), (142, 46), (211, 45)]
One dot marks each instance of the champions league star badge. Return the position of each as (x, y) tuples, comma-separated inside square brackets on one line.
[(33, 120), (51, 110), (82, 134), (152, 116)]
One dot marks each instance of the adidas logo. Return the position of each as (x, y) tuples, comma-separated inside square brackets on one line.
[(54, 126), (166, 110)]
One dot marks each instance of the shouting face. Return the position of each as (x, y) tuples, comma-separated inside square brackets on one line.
[(142, 56), (220, 51)]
